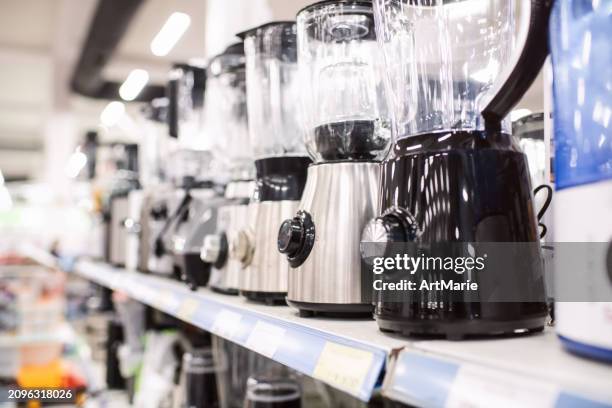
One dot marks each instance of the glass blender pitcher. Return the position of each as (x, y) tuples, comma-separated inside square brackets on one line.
[(455, 184), (226, 121), (281, 160), (346, 128)]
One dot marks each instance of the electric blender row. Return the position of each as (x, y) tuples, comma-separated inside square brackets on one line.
[(383, 122)]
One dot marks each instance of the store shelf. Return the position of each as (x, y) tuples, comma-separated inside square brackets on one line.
[(353, 355), (347, 354), (515, 372)]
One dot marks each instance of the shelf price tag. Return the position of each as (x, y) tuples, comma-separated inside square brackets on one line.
[(476, 386), (343, 367), (187, 309), (265, 338), (167, 300), (226, 324)]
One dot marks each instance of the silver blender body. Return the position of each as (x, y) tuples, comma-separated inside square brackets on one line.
[(226, 118), (282, 162), (346, 134), (339, 199), (231, 219)]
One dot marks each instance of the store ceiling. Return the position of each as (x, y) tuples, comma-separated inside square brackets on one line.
[(40, 41)]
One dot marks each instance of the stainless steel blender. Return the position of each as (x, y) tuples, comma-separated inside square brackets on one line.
[(281, 161), (456, 181), (346, 134), (226, 119), (196, 196)]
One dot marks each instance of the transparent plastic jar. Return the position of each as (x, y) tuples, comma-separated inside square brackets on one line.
[(443, 58), (345, 115), (226, 112), (273, 90)]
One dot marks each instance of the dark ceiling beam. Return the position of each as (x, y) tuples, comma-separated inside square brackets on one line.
[(109, 24)]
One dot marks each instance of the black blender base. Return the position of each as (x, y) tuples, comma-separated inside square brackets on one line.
[(225, 291), (268, 298), (343, 310), (460, 329)]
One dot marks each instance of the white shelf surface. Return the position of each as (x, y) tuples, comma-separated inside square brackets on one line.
[(353, 355)]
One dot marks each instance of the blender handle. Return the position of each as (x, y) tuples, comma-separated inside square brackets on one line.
[(172, 92), (549, 195), (160, 249), (525, 66)]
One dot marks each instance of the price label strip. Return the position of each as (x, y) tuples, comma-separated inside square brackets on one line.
[(343, 367), (187, 309), (265, 338), (480, 387), (227, 324)]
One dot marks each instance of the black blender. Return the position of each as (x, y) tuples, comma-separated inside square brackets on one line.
[(456, 181)]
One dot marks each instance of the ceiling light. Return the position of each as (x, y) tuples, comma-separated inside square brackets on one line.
[(134, 84), (112, 113), (170, 33), (519, 113)]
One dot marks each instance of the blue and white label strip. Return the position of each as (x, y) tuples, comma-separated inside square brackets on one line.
[(345, 364), (424, 380)]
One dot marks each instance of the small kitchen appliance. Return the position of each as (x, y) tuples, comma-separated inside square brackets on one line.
[(346, 126), (455, 179), (196, 197), (580, 47), (281, 161), (226, 118)]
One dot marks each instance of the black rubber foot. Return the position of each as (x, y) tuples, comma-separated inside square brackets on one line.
[(268, 298), (461, 329), (341, 310)]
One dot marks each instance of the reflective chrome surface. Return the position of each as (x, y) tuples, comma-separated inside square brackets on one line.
[(118, 233), (230, 220), (267, 270), (133, 229), (341, 198)]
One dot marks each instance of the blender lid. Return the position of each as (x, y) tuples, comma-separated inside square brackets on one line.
[(251, 31), (220, 63), (199, 74), (323, 3), (282, 44), (156, 110), (362, 27)]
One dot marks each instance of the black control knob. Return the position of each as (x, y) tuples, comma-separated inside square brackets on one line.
[(290, 236), (296, 238)]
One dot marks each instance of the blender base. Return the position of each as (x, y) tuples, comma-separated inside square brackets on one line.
[(460, 329), (225, 291), (268, 298), (344, 310)]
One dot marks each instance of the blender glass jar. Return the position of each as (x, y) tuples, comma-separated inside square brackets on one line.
[(443, 58), (226, 112), (273, 90), (345, 115)]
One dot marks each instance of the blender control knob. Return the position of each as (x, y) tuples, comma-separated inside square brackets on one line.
[(394, 226), (290, 236), (241, 248), (296, 238), (214, 250)]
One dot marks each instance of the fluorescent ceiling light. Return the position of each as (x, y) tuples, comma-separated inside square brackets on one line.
[(134, 84), (170, 33), (112, 113), (519, 113)]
